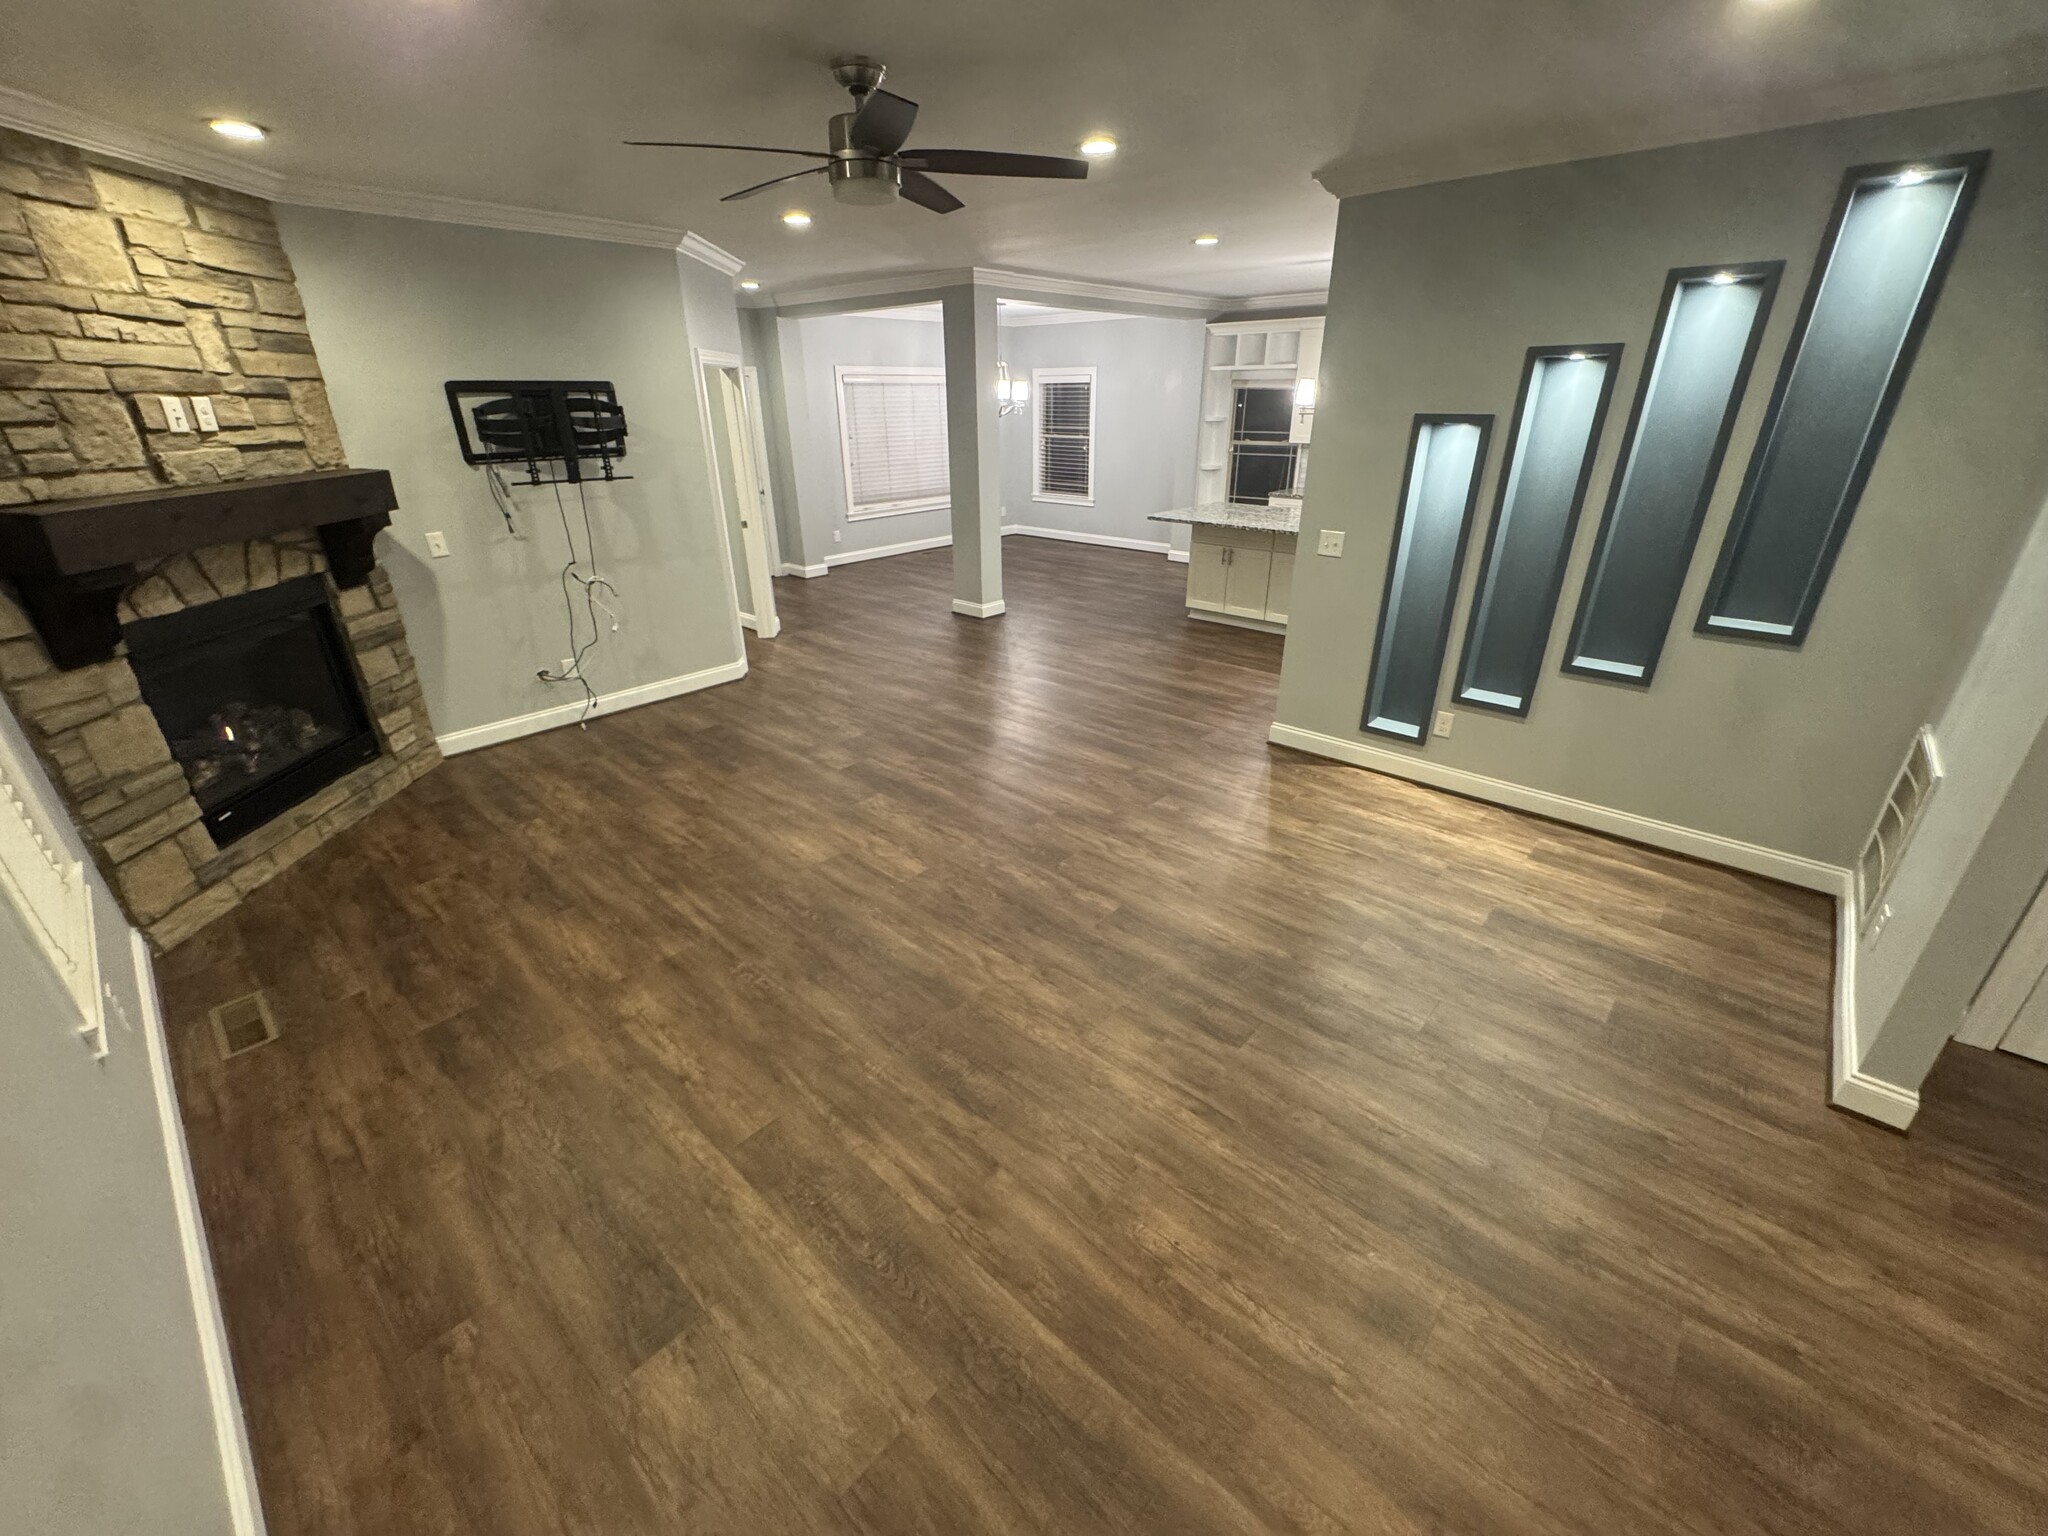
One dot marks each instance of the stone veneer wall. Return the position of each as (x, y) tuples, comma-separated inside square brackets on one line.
[(118, 285)]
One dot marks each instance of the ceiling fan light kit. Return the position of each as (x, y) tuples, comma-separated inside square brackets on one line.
[(867, 164)]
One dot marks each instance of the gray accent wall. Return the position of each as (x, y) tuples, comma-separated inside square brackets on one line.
[(810, 350), (1148, 391), (399, 306), (106, 1423), (1436, 292)]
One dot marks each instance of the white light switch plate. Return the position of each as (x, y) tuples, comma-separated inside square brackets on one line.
[(175, 418), (202, 412), (437, 545), (1444, 721), (1330, 542)]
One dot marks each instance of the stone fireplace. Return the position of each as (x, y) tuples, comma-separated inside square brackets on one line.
[(193, 630)]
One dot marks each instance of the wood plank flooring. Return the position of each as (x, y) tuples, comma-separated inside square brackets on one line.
[(961, 1080)]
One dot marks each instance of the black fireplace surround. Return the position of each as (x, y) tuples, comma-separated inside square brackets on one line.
[(256, 696)]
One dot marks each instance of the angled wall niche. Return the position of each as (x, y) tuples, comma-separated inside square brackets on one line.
[(1709, 324), (1888, 244), (1559, 408), (1438, 489)]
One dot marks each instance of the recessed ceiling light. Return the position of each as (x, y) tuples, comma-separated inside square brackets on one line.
[(1098, 146), (1207, 239), (749, 284), (796, 218), (1911, 178), (235, 128)]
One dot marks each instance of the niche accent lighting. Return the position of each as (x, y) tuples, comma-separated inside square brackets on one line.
[(234, 128)]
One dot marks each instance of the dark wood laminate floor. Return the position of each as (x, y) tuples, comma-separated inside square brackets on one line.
[(962, 1080)]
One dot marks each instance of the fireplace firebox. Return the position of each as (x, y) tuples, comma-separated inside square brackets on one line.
[(257, 699)]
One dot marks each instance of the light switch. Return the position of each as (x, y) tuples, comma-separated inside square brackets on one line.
[(437, 545), (1330, 542), (202, 412), (1444, 720), (175, 418)]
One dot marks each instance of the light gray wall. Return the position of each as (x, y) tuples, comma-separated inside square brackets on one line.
[(400, 306), (1148, 391), (1436, 293), (1962, 883), (105, 1420), (811, 349), (761, 345), (710, 308)]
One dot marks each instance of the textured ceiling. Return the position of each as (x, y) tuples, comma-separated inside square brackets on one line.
[(1227, 112)]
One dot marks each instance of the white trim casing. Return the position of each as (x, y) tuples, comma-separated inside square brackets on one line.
[(699, 360), (1068, 536), (883, 551), (231, 1432), (476, 736), (1040, 377), (1850, 1088)]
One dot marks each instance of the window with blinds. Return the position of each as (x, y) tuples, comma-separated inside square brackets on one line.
[(1064, 456), (892, 440)]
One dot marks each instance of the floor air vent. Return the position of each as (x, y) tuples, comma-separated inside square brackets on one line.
[(243, 1024)]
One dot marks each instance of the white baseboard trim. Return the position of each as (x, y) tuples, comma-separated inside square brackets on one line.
[(230, 1431), (1263, 626), (883, 551), (978, 610), (1850, 1088), (806, 571), (1715, 849), (1067, 536), (476, 736), (1177, 556)]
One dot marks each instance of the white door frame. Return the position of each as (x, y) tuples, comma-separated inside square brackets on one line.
[(721, 428), (2013, 979)]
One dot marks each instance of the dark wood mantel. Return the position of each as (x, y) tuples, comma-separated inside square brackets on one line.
[(71, 560)]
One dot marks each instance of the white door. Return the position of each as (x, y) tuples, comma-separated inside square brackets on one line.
[(739, 479), (2010, 1010)]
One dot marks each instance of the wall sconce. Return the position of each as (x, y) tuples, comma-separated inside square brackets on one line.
[(1012, 395), (1305, 394)]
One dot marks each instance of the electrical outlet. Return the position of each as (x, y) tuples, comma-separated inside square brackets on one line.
[(568, 665), (835, 535), (1330, 542), (202, 412), (175, 419), (1444, 720), (437, 545)]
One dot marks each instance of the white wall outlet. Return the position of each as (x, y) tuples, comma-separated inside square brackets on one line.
[(568, 666), (1444, 721), (437, 545), (202, 412), (175, 419), (835, 535), (1330, 542)]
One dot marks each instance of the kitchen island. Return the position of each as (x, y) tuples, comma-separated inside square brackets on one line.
[(1240, 561)]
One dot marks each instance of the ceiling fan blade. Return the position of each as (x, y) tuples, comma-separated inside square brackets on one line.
[(926, 193), (752, 149), (763, 186), (993, 162), (882, 123)]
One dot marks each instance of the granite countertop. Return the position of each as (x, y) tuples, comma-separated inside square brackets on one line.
[(1224, 514)]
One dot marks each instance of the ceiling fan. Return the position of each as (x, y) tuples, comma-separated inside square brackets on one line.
[(867, 162)]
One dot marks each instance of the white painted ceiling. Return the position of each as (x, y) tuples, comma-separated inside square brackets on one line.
[(1226, 111)]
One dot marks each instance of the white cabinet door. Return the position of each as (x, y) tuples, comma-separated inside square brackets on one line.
[(1208, 573), (1280, 583), (1249, 573)]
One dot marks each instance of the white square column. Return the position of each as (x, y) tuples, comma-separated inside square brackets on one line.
[(970, 318)]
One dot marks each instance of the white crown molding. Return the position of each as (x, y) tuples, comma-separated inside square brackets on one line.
[(1023, 285), (32, 114), (1033, 285), (1308, 298), (714, 256)]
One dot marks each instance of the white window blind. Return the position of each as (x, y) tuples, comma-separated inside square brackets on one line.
[(1064, 460), (892, 439)]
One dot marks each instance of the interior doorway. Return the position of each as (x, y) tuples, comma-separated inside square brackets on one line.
[(728, 394), (2010, 1011)]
